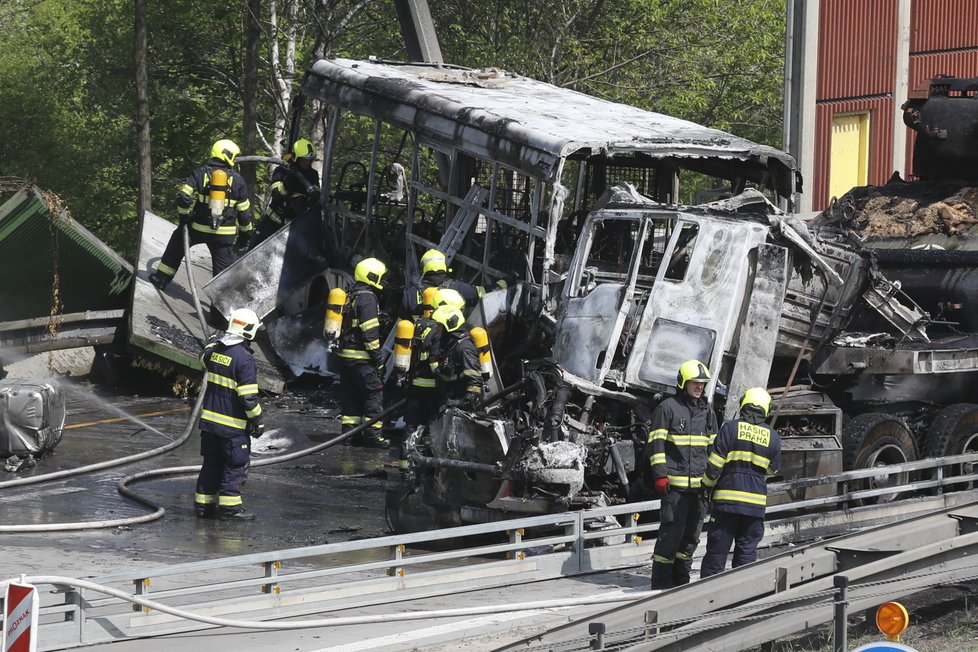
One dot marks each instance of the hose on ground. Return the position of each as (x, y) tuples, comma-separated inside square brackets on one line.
[(331, 622), (158, 511)]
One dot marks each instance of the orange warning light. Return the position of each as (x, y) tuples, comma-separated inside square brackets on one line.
[(892, 619)]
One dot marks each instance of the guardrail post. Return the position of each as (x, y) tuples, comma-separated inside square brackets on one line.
[(141, 589), (633, 520), (939, 476), (516, 536), (396, 554), (597, 630), (651, 623), (271, 571), (577, 530), (839, 638)]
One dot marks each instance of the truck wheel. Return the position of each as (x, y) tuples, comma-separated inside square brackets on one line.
[(877, 440), (954, 431)]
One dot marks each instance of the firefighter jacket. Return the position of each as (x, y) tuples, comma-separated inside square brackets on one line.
[(360, 333), (294, 189), (423, 351), (456, 367), (413, 304), (680, 431), (193, 202), (231, 397), (744, 453)]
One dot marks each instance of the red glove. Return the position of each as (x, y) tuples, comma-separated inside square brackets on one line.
[(662, 486)]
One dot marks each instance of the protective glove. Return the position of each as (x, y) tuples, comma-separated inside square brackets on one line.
[(662, 486), (256, 430), (241, 245), (471, 401)]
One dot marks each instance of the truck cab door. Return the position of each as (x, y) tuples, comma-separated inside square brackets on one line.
[(696, 300)]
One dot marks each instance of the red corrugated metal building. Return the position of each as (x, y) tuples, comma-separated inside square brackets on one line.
[(865, 66)]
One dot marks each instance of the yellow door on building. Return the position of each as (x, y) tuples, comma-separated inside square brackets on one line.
[(849, 163)]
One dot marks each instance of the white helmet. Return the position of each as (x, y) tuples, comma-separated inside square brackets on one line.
[(244, 322)]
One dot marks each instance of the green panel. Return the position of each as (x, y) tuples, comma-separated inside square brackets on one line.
[(45, 256)]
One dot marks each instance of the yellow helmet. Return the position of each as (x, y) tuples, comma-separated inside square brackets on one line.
[(757, 397), (303, 149), (225, 150), (433, 261), (692, 370), (450, 317), (370, 271), (448, 297), (243, 322)]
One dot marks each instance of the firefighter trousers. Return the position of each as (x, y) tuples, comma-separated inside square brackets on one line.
[(218, 245), (724, 529), (680, 523), (361, 395), (223, 472)]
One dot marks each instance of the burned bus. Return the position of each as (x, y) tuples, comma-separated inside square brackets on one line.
[(640, 240)]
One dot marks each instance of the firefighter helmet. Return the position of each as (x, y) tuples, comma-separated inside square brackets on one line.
[(243, 322), (225, 150), (448, 297), (370, 271), (303, 149), (433, 261), (450, 317), (692, 370), (758, 398)]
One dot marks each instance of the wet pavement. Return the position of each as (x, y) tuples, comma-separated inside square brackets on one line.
[(329, 496)]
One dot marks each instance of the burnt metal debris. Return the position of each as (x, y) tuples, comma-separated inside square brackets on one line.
[(623, 273)]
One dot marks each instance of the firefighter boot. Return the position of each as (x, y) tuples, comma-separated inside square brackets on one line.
[(235, 515), (661, 576), (680, 571), (159, 280)]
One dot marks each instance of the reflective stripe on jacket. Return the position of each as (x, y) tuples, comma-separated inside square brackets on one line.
[(193, 202), (360, 333), (680, 432), (231, 397), (744, 453)]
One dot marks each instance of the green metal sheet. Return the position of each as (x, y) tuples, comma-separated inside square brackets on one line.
[(51, 264)]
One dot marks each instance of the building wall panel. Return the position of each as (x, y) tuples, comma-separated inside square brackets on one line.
[(880, 143), (857, 48), (937, 25)]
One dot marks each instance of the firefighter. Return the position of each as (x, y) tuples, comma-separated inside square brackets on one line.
[(434, 273), (455, 361), (230, 418), (214, 213), (361, 360), (422, 394), (295, 189), (745, 452), (681, 429)]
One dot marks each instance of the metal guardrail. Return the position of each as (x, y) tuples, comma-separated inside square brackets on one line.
[(320, 579)]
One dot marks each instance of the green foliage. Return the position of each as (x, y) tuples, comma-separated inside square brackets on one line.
[(66, 76)]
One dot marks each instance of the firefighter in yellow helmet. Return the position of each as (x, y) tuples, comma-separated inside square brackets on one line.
[(361, 359), (681, 429), (434, 273), (422, 390), (213, 223), (455, 360), (745, 452), (295, 190)]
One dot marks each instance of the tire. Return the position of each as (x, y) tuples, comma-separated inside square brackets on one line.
[(953, 431), (876, 439)]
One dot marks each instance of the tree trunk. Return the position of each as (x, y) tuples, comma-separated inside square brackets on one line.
[(145, 193), (250, 118)]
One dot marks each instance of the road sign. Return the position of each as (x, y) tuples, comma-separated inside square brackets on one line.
[(19, 627), (884, 646)]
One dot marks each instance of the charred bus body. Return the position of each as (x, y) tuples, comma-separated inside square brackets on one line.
[(625, 273)]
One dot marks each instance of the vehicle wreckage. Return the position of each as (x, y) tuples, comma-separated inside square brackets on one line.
[(640, 241)]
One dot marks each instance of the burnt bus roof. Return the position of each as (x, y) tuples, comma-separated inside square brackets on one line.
[(530, 125)]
